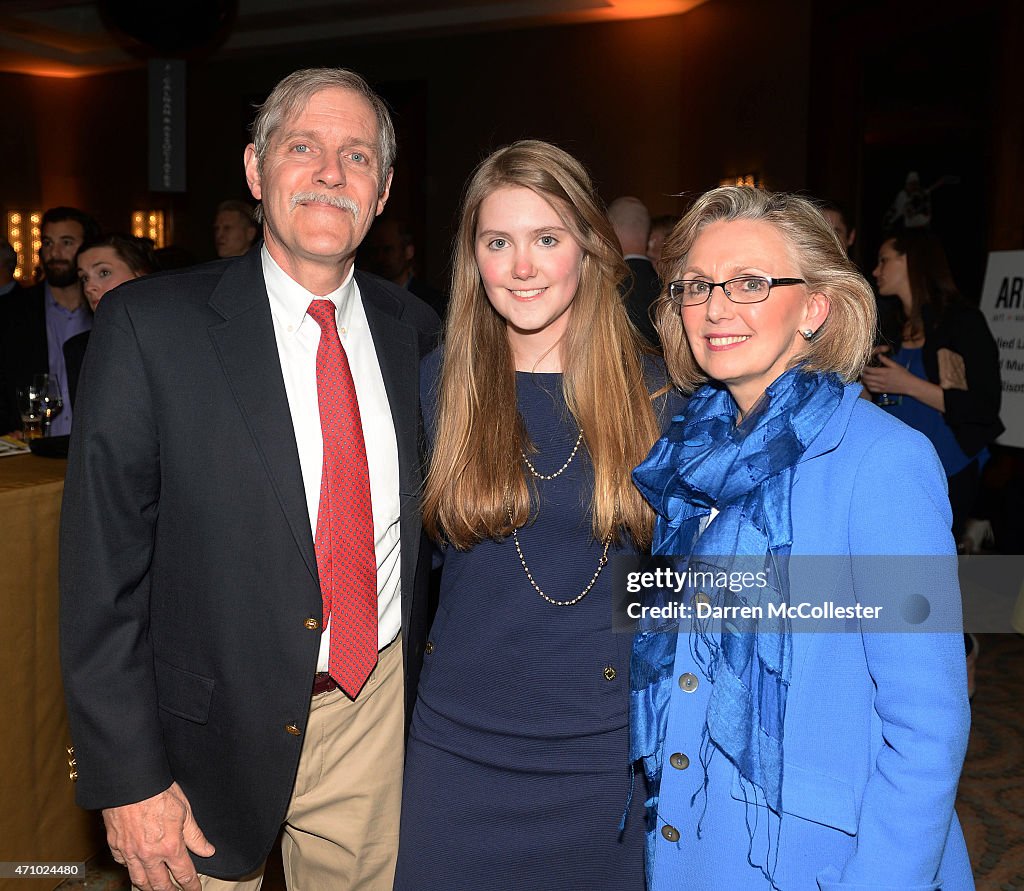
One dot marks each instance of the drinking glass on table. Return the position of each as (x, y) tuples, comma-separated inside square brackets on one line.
[(31, 410), (50, 399)]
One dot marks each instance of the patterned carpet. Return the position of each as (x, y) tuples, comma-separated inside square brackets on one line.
[(990, 802)]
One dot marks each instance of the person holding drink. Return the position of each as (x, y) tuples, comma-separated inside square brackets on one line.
[(943, 376), (784, 760)]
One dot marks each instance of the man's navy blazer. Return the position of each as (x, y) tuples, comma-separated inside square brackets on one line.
[(188, 571)]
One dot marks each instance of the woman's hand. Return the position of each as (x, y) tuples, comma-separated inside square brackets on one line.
[(889, 376)]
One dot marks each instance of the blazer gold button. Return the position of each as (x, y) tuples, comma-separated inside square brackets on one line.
[(312, 624), (670, 833), (71, 751), (701, 598), (73, 776), (688, 682), (293, 729), (429, 648), (609, 673), (679, 761)]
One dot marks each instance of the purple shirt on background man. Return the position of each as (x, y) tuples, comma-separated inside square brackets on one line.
[(61, 324)]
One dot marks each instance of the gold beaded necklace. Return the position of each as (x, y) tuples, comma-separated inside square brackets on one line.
[(519, 549), (561, 469)]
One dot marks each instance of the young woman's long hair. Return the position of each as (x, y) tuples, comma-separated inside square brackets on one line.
[(929, 275), (476, 471)]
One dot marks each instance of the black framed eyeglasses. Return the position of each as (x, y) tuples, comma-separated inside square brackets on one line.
[(744, 289)]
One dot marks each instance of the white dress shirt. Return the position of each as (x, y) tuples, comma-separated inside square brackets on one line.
[(298, 337)]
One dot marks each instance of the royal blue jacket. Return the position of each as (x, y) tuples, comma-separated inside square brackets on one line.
[(876, 723)]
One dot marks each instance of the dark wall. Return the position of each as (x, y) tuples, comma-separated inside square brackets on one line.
[(743, 106), (835, 96), (74, 141), (654, 107), (636, 101), (930, 86)]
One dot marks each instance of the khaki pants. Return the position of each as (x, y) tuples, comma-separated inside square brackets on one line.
[(341, 829)]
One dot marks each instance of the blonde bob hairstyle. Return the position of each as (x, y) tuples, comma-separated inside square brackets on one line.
[(843, 342), (476, 475)]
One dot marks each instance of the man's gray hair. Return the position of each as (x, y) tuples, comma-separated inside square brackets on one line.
[(298, 88)]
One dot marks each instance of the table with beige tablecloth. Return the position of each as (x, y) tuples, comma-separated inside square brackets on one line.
[(39, 820)]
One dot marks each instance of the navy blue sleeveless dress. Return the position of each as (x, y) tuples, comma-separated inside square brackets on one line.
[(517, 770)]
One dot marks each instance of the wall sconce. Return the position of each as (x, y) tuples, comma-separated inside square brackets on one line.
[(751, 180), (149, 224), (24, 235)]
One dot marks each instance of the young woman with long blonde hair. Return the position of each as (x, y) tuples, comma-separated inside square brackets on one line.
[(536, 409)]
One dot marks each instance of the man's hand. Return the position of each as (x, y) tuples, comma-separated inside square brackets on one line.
[(153, 837)]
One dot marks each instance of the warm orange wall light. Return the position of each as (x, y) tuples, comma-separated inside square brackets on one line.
[(629, 9), (24, 236), (22, 63), (149, 224), (753, 180)]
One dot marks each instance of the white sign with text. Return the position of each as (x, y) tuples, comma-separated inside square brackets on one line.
[(1002, 302)]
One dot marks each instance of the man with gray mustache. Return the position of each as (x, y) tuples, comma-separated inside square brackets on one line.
[(338, 201), (243, 586)]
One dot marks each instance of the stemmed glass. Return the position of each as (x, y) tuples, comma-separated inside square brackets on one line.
[(31, 410), (50, 399)]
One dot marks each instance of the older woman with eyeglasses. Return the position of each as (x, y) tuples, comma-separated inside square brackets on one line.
[(795, 733)]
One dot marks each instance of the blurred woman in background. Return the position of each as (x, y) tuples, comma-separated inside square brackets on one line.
[(945, 373), (102, 266)]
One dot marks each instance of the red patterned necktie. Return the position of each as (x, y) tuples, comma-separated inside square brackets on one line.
[(345, 556)]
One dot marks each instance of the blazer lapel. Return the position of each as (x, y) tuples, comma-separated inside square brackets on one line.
[(247, 349), (398, 354)]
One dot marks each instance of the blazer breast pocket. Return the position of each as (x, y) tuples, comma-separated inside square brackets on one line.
[(812, 796), (183, 693)]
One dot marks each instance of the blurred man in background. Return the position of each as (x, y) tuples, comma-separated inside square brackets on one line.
[(234, 229)]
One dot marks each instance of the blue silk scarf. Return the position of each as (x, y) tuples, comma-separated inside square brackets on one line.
[(746, 472)]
